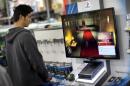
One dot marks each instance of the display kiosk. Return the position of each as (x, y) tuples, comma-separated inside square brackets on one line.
[(87, 35)]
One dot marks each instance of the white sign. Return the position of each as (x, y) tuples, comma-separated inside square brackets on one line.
[(51, 45), (88, 5), (107, 50)]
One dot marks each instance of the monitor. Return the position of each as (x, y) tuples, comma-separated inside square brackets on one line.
[(91, 34)]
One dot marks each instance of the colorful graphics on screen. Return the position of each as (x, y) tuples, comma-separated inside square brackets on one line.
[(90, 34)]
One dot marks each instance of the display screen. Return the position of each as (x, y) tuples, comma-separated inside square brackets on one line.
[(91, 34)]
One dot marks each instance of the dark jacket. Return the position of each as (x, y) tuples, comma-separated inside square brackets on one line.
[(25, 63)]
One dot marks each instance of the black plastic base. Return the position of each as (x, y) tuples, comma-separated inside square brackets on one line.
[(90, 70)]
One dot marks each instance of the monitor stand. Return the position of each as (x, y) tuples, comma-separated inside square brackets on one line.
[(91, 60), (91, 69)]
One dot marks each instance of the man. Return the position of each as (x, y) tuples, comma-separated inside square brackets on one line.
[(25, 63)]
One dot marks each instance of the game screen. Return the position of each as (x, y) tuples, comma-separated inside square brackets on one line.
[(91, 34)]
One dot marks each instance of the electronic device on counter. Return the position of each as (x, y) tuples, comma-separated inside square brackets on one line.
[(91, 34), (90, 70)]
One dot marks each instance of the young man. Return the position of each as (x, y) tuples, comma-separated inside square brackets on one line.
[(25, 63)]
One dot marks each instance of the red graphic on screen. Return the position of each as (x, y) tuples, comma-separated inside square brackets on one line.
[(89, 45)]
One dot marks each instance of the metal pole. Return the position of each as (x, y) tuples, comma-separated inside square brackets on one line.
[(7, 11), (47, 9)]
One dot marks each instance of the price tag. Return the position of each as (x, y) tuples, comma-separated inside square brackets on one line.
[(88, 5)]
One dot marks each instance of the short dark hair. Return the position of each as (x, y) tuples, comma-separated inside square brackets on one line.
[(23, 10)]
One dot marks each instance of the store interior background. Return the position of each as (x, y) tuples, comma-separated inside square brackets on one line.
[(121, 10)]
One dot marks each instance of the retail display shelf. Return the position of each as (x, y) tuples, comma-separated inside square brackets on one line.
[(128, 51), (127, 30)]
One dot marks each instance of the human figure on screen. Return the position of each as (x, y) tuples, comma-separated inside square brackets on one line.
[(89, 45)]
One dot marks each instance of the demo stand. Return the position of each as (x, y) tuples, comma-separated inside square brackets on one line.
[(94, 72)]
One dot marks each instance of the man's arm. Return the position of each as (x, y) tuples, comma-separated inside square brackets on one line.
[(34, 56)]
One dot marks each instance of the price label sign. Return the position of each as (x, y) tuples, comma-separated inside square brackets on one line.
[(88, 5)]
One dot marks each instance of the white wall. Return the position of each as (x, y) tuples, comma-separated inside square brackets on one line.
[(120, 10)]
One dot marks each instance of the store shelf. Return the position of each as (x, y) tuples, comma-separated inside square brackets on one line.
[(127, 30), (128, 51)]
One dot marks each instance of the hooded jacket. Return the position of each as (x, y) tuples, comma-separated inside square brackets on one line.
[(25, 63)]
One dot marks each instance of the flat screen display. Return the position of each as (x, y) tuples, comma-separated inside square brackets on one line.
[(91, 34)]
